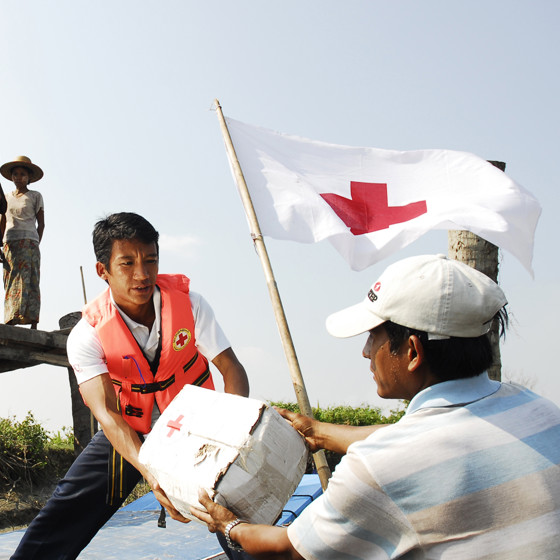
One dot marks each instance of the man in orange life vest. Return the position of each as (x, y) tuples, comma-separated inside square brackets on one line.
[(135, 347)]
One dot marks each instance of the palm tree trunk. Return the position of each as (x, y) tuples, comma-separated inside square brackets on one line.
[(482, 255)]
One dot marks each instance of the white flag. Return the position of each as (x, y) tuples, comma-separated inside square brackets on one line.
[(370, 202)]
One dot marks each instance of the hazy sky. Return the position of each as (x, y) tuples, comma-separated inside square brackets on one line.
[(114, 101)]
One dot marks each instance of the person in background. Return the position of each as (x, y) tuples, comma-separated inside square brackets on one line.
[(21, 228), (137, 345), (3, 202), (470, 471)]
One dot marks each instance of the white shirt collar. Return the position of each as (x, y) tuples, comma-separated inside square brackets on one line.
[(454, 393), (147, 339)]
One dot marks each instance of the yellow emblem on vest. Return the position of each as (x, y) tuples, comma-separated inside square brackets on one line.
[(181, 339)]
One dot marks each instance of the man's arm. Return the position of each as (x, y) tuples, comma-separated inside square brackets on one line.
[(235, 377), (210, 339), (99, 394), (260, 541), (2, 230), (40, 223), (322, 435)]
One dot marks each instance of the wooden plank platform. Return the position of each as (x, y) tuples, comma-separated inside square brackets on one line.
[(22, 347)]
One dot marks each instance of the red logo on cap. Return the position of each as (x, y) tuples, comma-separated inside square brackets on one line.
[(377, 286)]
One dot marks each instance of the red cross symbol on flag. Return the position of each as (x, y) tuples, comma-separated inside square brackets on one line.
[(368, 208), (175, 425)]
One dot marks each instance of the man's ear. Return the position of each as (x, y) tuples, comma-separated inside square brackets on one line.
[(415, 353), (101, 271)]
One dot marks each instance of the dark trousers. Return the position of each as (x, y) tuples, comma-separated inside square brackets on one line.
[(77, 509)]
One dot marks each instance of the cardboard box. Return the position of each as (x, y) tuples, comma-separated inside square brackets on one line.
[(240, 449)]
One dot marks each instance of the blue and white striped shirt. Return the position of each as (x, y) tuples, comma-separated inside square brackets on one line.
[(471, 471)]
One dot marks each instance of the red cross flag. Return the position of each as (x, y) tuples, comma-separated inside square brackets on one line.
[(370, 202)]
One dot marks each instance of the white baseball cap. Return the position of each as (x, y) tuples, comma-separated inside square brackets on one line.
[(429, 293)]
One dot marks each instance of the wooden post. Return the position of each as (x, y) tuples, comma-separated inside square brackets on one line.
[(482, 255), (84, 430)]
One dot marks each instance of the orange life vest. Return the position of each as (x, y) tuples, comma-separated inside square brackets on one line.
[(180, 362)]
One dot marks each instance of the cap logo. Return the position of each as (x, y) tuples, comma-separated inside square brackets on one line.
[(371, 296), (181, 339), (377, 286)]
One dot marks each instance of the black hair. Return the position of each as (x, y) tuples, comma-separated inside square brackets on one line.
[(454, 357), (123, 225)]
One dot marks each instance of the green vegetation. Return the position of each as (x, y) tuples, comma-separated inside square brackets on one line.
[(62, 439), (25, 448), (364, 415), (138, 491)]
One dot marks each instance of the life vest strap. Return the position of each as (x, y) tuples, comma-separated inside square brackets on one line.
[(116, 478), (190, 363), (146, 388), (202, 378)]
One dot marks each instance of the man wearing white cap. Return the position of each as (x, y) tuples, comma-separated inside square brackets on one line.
[(472, 468)]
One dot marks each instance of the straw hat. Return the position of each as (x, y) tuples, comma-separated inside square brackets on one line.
[(35, 172)]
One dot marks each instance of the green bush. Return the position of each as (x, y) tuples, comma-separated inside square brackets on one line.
[(22, 448), (364, 415), (62, 439), (26, 449)]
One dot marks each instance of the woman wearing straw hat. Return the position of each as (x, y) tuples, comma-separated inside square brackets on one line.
[(22, 228)]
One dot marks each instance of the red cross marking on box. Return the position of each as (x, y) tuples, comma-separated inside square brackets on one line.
[(175, 425)]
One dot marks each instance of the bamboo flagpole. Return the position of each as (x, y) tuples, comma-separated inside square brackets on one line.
[(297, 379)]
